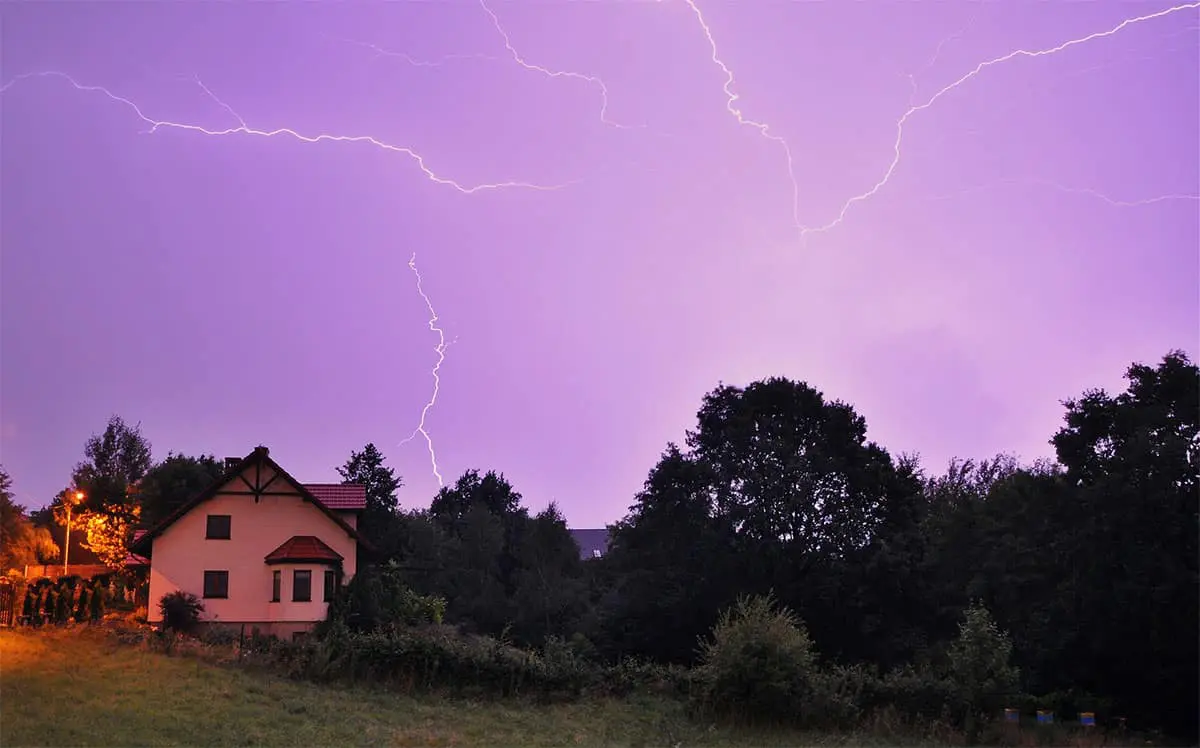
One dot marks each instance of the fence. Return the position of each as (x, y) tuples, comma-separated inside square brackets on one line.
[(8, 602), (54, 571)]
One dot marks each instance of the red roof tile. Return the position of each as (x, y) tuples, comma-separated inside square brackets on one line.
[(303, 548), (339, 496)]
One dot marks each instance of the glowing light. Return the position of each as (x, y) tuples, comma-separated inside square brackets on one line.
[(972, 74), (440, 349), (243, 129), (763, 128), (591, 79)]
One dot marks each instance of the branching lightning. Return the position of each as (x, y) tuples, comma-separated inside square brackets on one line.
[(418, 63), (937, 53), (1174, 197), (243, 129), (440, 349), (972, 74), (591, 79), (763, 128)]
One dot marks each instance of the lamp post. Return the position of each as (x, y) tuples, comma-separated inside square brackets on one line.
[(72, 498)]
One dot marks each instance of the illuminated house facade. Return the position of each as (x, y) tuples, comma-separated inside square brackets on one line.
[(259, 548)]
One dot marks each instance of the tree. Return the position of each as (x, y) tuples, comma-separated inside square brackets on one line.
[(21, 542), (779, 490), (1133, 462), (379, 521), (979, 667), (173, 482), (493, 492), (549, 593), (116, 460)]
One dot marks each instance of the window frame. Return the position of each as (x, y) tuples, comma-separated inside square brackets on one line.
[(208, 527), (297, 574), (276, 586), (222, 574), (329, 591)]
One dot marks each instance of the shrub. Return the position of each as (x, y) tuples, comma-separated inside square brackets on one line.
[(81, 606), (759, 663), (96, 602), (180, 611), (379, 598), (979, 667)]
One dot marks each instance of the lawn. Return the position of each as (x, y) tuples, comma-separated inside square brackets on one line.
[(74, 687)]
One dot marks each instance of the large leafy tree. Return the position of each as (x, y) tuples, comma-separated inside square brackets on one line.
[(21, 542), (779, 490), (173, 482), (116, 460), (1131, 543)]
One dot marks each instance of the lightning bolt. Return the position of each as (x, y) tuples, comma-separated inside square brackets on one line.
[(243, 129), (912, 77), (763, 128), (590, 79), (972, 74), (440, 349), (418, 63), (1177, 197)]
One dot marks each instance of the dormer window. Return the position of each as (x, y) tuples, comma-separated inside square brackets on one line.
[(217, 527)]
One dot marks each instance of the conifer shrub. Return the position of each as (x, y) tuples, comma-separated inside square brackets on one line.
[(180, 611)]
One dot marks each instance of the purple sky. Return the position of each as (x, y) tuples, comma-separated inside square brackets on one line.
[(1038, 234)]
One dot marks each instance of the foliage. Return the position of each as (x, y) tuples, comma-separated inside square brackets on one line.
[(378, 598), (378, 522), (180, 611), (109, 532), (759, 663), (171, 483), (980, 668), (21, 542)]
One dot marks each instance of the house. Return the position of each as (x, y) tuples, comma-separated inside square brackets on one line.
[(259, 548), (592, 543)]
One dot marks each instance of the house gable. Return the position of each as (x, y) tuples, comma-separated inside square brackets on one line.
[(249, 544), (256, 477)]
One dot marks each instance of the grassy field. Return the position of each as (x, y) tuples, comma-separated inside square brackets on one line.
[(73, 687)]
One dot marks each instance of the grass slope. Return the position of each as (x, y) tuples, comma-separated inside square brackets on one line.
[(75, 687)]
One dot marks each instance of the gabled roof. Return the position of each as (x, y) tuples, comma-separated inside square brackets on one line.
[(301, 549), (592, 543), (339, 496), (133, 559), (261, 456)]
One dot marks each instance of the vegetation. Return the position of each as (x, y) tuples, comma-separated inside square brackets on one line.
[(68, 688), (180, 611), (21, 542), (779, 567)]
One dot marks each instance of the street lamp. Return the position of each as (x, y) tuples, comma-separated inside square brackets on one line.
[(71, 499)]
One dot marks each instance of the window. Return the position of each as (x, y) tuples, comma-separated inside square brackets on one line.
[(276, 585), (595, 553), (217, 527), (216, 584), (301, 586), (330, 584)]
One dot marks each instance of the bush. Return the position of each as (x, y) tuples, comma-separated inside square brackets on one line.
[(759, 663), (180, 611), (81, 606), (980, 669), (379, 598)]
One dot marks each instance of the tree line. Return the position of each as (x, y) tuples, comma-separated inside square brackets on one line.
[(1089, 561)]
